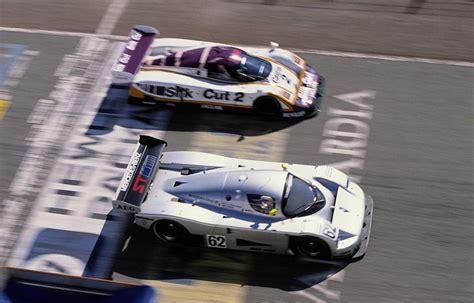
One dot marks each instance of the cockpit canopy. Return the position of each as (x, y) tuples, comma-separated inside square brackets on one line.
[(262, 192), (222, 63), (299, 199)]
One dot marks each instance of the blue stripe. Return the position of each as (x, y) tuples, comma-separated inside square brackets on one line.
[(146, 170), (14, 50)]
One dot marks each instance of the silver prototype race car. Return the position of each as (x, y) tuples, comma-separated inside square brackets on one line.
[(229, 203), (268, 81)]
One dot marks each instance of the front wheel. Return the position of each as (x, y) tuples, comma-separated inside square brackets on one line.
[(169, 231), (312, 247), (267, 106)]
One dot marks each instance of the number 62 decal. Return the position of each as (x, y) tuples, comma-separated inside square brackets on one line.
[(216, 241)]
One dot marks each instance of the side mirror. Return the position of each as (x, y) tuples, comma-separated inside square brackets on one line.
[(274, 44)]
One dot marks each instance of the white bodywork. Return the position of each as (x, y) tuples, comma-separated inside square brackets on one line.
[(226, 215), (175, 84)]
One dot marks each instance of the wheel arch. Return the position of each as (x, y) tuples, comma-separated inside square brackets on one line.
[(267, 105)]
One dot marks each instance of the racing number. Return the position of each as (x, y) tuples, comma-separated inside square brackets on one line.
[(238, 97), (216, 241)]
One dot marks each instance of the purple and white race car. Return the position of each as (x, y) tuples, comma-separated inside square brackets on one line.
[(269, 81)]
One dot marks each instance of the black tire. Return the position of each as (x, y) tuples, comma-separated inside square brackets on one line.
[(312, 247), (169, 231), (267, 106)]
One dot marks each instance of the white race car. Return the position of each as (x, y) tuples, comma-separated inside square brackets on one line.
[(229, 203), (269, 81)]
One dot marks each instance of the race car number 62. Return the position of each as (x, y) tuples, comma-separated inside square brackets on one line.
[(216, 241)]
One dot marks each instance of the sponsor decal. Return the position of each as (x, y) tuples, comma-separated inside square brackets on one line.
[(308, 79), (213, 95), (134, 35), (179, 92), (144, 174), (203, 198), (210, 106), (307, 91), (128, 208), (279, 75), (276, 75), (297, 59), (243, 242), (130, 46), (124, 58), (296, 114), (147, 168), (139, 184), (130, 171), (173, 91)]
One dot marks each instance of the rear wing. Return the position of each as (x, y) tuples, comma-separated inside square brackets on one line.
[(135, 50), (141, 171)]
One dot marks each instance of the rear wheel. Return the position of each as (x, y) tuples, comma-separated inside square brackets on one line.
[(169, 231), (267, 106), (312, 247)]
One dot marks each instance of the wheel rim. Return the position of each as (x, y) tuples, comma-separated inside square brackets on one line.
[(311, 248), (169, 231)]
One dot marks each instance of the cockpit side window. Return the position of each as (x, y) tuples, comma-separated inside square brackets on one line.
[(221, 72), (261, 203), (252, 68)]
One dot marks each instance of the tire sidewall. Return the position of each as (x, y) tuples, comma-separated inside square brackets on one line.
[(181, 231), (267, 106), (324, 251)]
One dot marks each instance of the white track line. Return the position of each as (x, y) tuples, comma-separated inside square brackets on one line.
[(297, 50), (111, 17), (381, 57), (61, 33)]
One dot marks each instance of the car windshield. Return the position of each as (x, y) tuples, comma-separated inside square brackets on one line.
[(300, 198), (252, 68)]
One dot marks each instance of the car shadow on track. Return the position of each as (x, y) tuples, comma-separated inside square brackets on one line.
[(147, 258), (115, 111)]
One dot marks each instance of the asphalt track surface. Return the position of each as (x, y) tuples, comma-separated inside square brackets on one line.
[(415, 160), (414, 28)]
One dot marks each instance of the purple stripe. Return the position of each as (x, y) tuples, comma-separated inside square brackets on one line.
[(139, 41)]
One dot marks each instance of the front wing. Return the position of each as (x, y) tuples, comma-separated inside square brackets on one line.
[(365, 235)]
